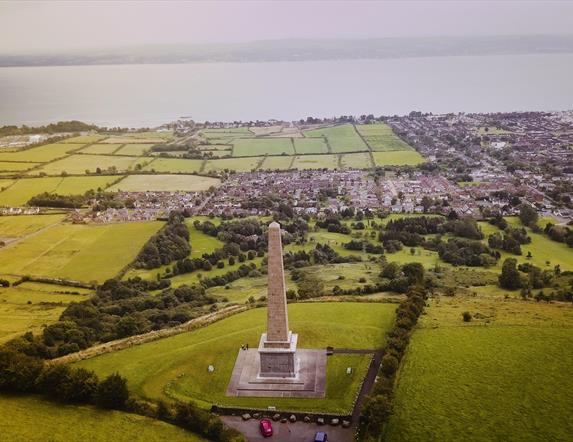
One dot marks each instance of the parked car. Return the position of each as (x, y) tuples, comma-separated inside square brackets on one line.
[(321, 436), (266, 427)]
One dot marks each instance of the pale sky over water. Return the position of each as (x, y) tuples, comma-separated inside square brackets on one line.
[(58, 25)]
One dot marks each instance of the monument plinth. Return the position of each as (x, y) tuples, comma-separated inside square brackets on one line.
[(276, 368)]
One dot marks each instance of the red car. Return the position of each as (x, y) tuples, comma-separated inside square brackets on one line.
[(266, 427)]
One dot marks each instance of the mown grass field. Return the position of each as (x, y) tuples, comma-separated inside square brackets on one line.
[(134, 149), (304, 146), (381, 137), (169, 183), (315, 162), (30, 306), (398, 158), (6, 166), (78, 164), (174, 165), (177, 366), (36, 420), (342, 138), (100, 149), (23, 189), (84, 139), (238, 164), (22, 225), (503, 376), (249, 147), (277, 163), (78, 252), (356, 161), (41, 154)]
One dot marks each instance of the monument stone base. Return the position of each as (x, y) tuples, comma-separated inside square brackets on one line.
[(309, 380), (278, 358)]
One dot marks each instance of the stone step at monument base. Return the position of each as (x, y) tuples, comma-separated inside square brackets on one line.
[(309, 381)]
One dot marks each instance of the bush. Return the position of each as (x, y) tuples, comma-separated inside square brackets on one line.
[(18, 372), (112, 392), (467, 316), (389, 364)]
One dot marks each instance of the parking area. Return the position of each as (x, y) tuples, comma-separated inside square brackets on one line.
[(289, 432)]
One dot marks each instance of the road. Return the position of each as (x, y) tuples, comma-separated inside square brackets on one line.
[(289, 432)]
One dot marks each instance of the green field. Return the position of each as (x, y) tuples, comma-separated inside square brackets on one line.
[(84, 139), (100, 149), (381, 137), (174, 165), (398, 158), (302, 162), (304, 146), (134, 149), (78, 164), (176, 367), (30, 306), (32, 419), (277, 163), (22, 190), (167, 183), (48, 152), (503, 376), (238, 164), (6, 166), (77, 252), (343, 138), (23, 225), (250, 147), (356, 161)]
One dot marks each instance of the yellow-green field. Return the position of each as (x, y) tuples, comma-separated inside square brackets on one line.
[(398, 158), (48, 152), (79, 164), (342, 138), (6, 166), (239, 164), (134, 149), (356, 161), (32, 419), (22, 190), (23, 225), (100, 149), (302, 162), (176, 367), (304, 146), (381, 137), (249, 147), (171, 183), (77, 252), (174, 165), (276, 163), (85, 139)]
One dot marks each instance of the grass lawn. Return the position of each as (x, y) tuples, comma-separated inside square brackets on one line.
[(248, 147), (398, 158), (277, 163), (101, 149), (41, 154), (6, 166), (84, 139), (78, 252), (78, 164), (167, 183), (380, 137), (503, 376), (22, 225), (34, 419), (304, 146), (174, 165), (302, 162), (342, 138), (177, 366), (134, 149), (357, 161), (238, 164), (20, 192), (30, 306)]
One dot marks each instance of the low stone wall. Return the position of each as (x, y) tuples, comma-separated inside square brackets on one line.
[(277, 415), (132, 341)]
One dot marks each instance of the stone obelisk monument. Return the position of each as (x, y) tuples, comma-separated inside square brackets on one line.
[(277, 347)]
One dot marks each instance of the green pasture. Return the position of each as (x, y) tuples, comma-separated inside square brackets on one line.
[(174, 165), (41, 154), (84, 139), (23, 225), (356, 161), (239, 164), (77, 252), (502, 376), (381, 137), (165, 183), (250, 147), (176, 367), (305, 146), (398, 158), (134, 149), (22, 190), (79, 164), (302, 162), (33, 419), (100, 149), (30, 306), (6, 166), (277, 163), (342, 138)]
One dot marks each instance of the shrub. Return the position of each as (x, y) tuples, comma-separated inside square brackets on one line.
[(112, 392), (389, 364), (467, 316)]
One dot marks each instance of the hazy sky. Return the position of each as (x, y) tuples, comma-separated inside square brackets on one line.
[(76, 24)]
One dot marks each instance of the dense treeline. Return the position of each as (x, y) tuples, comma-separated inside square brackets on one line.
[(99, 200), (510, 240), (20, 373), (167, 245), (61, 126), (118, 309), (466, 252), (378, 405), (54, 200)]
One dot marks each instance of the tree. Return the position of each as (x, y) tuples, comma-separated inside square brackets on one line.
[(510, 278), (414, 271), (527, 214), (310, 286), (376, 411), (466, 316), (112, 392), (389, 364)]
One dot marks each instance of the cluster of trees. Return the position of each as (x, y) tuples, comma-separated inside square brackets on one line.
[(427, 225), (397, 278), (54, 200), (99, 199), (52, 128), (118, 309), (466, 252), (167, 245), (20, 373), (378, 405), (363, 245), (525, 276), (247, 233), (559, 233), (510, 240), (333, 223)]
